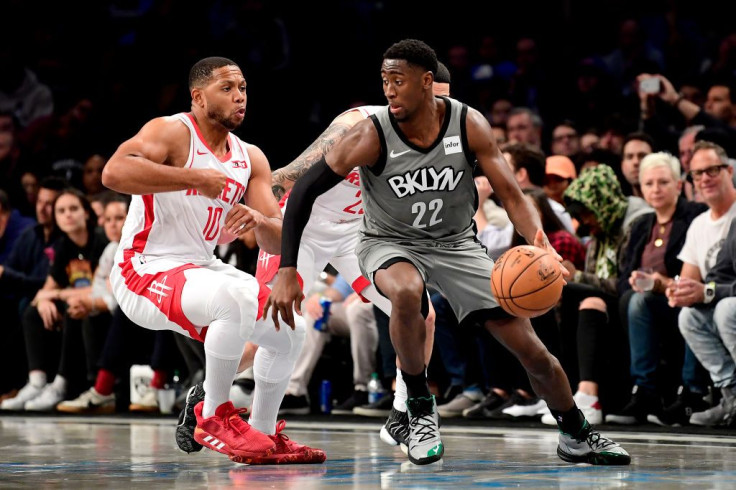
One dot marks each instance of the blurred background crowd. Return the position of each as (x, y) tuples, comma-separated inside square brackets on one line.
[(618, 119)]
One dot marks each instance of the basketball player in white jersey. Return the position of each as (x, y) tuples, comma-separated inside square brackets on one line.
[(188, 174), (330, 236)]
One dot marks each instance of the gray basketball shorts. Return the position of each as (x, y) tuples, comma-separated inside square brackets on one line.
[(461, 271)]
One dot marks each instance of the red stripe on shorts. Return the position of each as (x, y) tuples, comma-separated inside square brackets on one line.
[(163, 289)]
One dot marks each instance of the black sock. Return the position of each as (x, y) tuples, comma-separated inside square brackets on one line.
[(590, 323), (570, 422), (416, 384)]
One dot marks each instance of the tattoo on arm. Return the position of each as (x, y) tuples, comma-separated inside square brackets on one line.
[(289, 174)]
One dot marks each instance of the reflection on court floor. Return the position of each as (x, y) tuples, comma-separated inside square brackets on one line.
[(114, 452)]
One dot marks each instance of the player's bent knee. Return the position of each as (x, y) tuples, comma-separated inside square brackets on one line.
[(593, 303)]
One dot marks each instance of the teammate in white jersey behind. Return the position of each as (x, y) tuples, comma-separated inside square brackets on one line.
[(188, 173)]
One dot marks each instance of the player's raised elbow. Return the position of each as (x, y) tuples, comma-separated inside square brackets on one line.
[(111, 176)]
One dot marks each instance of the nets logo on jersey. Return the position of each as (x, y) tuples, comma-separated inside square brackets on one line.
[(425, 179)]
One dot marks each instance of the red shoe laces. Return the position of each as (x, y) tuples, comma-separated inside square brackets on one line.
[(234, 421), (280, 425)]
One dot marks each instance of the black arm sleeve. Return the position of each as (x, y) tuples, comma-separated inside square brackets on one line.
[(315, 182)]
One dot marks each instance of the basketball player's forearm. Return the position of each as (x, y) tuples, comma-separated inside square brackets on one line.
[(283, 179), (525, 219), (268, 236), (138, 176)]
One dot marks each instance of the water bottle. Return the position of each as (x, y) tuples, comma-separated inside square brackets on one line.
[(375, 389), (321, 323), (325, 396)]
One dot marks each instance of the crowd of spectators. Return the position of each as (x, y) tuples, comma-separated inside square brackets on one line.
[(623, 137)]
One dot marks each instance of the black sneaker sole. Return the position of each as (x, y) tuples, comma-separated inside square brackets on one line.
[(188, 422), (600, 459)]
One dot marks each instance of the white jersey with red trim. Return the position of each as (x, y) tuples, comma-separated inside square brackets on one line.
[(185, 224), (343, 202)]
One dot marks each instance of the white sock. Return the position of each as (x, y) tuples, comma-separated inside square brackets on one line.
[(401, 395), (37, 378), (585, 400), (217, 381), (267, 399), (59, 384)]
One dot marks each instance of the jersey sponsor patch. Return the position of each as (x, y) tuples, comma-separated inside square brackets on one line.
[(452, 145)]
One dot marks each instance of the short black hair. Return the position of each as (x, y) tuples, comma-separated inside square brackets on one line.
[(527, 157), (414, 52), (442, 75), (641, 136), (202, 70), (53, 183)]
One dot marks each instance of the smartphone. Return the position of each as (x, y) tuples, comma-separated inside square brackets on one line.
[(650, 85)]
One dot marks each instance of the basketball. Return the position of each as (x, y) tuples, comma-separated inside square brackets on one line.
[(527, 281)]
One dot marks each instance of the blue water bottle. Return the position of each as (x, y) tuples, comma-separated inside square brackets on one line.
[(321, 323), (325, 396)]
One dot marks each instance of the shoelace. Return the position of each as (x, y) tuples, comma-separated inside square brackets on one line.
[(427, 426), (233, 420), (596, 441), (280, 425)]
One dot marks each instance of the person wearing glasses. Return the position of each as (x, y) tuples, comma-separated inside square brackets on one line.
[(713, 179)]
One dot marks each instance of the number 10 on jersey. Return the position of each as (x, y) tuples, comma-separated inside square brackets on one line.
[(212, 228)]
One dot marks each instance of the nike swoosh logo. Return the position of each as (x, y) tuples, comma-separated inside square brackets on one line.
[(394, 154), (201, 152)]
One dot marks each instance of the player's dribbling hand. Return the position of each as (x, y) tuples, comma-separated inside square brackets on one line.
[(541, 241), (286, 296), (210, 182)]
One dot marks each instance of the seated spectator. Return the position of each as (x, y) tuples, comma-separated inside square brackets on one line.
[(49, 328), (559, 172), (709, 330), (565, 140), (657, 239), (22, 275), (590, 299), (636, 147), (702, 325)]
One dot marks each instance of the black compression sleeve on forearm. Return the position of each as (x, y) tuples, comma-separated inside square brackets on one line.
[(316, 181)]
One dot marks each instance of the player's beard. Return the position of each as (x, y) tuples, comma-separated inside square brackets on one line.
[(222, 119)]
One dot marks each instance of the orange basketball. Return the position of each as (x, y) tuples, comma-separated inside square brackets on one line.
[(527, 281)]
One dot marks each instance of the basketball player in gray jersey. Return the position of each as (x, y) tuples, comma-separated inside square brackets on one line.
[(416, 158)]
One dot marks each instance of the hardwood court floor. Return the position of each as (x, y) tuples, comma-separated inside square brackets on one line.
[(139, 452)]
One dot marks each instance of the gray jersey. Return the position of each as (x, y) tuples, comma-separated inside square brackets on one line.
[(415, 193)]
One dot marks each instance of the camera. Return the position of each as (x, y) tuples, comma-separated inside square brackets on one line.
[(650, 85)]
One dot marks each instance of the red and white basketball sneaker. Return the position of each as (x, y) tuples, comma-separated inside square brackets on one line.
[(227, 433), (287, 451)]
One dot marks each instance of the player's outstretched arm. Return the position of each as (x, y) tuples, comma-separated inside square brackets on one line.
[(284, 178), (261, 212), (152, 161), (360, 146)]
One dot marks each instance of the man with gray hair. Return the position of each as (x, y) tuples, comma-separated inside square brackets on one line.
[(707, 320)]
